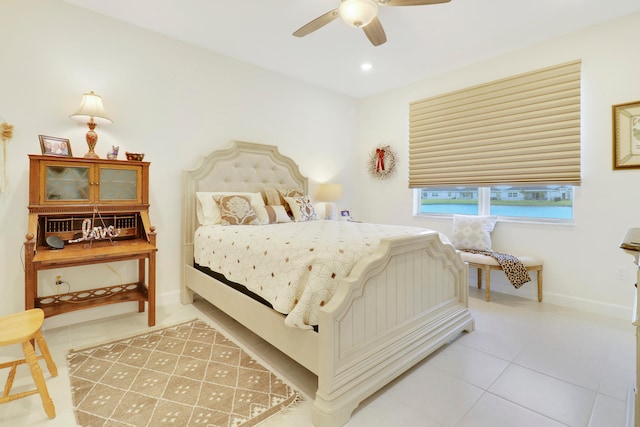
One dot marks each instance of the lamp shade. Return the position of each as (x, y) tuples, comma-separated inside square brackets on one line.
[(329, 192), (358, 13), (91, 108)]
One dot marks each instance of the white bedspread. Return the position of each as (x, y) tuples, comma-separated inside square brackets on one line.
[(295, 266)]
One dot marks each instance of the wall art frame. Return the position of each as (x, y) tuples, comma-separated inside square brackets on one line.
[(345, 215), (54, 146), (626, 135)]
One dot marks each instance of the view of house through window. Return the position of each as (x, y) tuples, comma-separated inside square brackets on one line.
[(551, 202)]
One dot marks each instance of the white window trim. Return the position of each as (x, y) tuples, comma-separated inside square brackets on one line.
[(484, 208)]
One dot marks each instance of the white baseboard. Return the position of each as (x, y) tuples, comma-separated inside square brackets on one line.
[(530, 291), (591, 306)]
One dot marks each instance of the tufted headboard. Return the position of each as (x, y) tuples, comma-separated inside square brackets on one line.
[(244, 166)]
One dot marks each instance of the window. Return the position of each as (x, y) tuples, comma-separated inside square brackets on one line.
[(545, 203), (509, 148)]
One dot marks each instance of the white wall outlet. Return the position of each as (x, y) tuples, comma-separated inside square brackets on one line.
[(622, 273), (59, 279)]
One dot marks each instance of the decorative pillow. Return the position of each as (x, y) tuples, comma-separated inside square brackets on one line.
[(207, 209), (236, 210), (473, 232), (302, 208), (271, 214), (261, 213), (273, 197), (289, 192)]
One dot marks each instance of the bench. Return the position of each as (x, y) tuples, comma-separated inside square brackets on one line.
[(485, 263)]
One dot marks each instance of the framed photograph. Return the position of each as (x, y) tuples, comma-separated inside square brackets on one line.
[(345, 215), (626, 136), (52, 146)]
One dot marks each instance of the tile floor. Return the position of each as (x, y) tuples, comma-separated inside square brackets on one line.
[(526, 364)]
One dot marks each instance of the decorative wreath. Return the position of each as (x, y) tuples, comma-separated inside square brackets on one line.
[(382, 162)]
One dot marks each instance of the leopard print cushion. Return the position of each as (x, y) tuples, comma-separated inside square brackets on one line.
[(513, 268)]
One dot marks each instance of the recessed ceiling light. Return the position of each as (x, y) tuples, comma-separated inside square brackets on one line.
[(365, 66)]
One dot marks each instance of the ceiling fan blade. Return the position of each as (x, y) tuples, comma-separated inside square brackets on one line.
[(414, 2), (316, 24), (375, 32)]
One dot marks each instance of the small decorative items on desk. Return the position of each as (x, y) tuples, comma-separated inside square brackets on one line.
[(113, 154), (52, 146), (134, 156), (102, 232), (95, 233)]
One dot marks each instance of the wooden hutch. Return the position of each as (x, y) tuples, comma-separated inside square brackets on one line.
[(100, 210)]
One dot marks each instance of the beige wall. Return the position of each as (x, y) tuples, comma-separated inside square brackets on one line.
[(582, 261), (171, 101)]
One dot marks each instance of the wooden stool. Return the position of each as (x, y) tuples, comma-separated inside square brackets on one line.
[(24, 328), (485, 263)]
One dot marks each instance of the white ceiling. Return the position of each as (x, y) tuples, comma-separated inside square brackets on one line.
[(422, 40)]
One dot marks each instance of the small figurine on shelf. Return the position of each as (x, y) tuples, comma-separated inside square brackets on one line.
[(113, 154)]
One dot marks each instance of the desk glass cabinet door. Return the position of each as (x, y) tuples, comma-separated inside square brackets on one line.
[(67, 183), (119, 184), (91, 183)]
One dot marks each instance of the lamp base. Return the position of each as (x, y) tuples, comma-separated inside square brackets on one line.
[(330, 211), (92, 140)]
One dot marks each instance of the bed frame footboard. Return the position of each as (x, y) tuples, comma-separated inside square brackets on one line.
[(395, 308)]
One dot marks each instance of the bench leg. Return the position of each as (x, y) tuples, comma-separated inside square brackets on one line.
[(539, 273), (487, 280), (487, 283)]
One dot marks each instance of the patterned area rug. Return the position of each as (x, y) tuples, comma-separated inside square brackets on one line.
[(186, 375)]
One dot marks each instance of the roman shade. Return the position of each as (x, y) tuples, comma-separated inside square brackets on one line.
[(521, 130)]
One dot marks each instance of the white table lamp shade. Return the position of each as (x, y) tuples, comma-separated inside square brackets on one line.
[(329, 193)]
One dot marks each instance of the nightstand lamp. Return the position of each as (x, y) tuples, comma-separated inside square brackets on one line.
[(92, 112), (329, 193)]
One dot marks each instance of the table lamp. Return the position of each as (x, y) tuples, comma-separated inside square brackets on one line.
[(91, 109), (329, 193)]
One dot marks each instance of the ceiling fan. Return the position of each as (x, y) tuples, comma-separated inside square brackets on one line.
[(361, 14)]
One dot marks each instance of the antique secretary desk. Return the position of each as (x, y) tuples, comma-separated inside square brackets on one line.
[(89, 211)]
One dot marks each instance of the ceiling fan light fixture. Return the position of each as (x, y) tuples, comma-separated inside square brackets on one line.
[(358, 13)]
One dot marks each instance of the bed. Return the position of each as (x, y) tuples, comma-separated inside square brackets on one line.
[(395, 307)]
